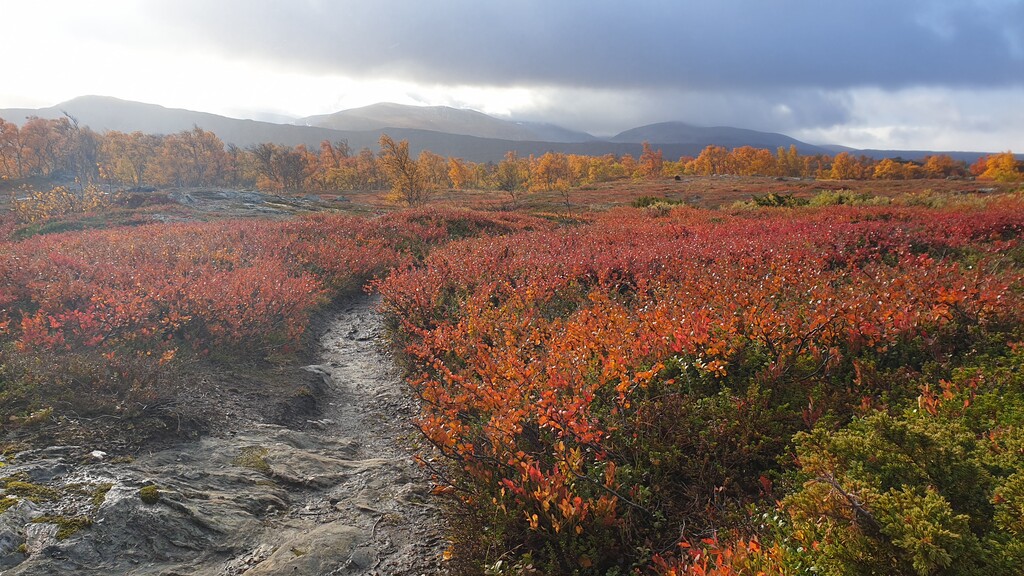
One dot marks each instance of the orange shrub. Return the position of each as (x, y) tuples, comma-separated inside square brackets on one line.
[(612, 384), (243, 287)]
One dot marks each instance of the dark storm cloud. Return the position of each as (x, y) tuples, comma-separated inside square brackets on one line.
[(607, 112), (722, 45)]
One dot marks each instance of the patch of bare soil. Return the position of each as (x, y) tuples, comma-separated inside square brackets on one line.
[(322, 482)]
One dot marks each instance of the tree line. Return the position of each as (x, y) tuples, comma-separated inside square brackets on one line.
[(61, 148)]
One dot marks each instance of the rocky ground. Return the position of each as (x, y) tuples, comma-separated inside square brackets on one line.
[(336, 493)]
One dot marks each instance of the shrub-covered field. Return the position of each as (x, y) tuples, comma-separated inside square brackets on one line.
[(679, 391), (95, 321), (656, 390)]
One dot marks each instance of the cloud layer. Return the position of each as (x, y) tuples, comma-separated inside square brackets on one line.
[(727, 44), (875, 73)]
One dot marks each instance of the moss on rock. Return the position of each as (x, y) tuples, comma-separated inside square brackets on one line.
[(149, 494), (254, 457), (66, 525), (99, 494), (31, 492)]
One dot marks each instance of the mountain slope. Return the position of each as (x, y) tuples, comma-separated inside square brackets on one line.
[(683, 133), (102, 113), (441, 119), (674, 139)]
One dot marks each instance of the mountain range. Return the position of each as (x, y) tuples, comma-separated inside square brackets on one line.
[(447, 131), (443, 119)]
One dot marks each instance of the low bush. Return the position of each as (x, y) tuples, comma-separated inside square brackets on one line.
[(613, 395), (95, 322), (934, 486)]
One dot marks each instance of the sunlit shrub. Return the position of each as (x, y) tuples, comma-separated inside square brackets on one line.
[(31, 206), (604, 389), (98, 313)]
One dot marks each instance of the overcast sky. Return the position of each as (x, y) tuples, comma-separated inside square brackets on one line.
[(902, 74)]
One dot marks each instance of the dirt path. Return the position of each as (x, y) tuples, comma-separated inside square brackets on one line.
[(339, 496)]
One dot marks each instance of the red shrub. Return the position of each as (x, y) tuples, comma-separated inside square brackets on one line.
[(587, 380)]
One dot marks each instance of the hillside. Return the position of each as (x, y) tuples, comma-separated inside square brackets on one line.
[(445, 119), (104, 113), (700, 136), (446, 131)]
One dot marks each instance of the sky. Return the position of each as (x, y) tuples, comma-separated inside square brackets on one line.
[(892, 74)]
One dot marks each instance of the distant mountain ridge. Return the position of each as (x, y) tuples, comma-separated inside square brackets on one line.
[(442, 119), (683, 133), (102, 113), (446, 131)]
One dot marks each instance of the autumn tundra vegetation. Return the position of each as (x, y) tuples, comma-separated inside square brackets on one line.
[(61, 148), (785, 385)]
